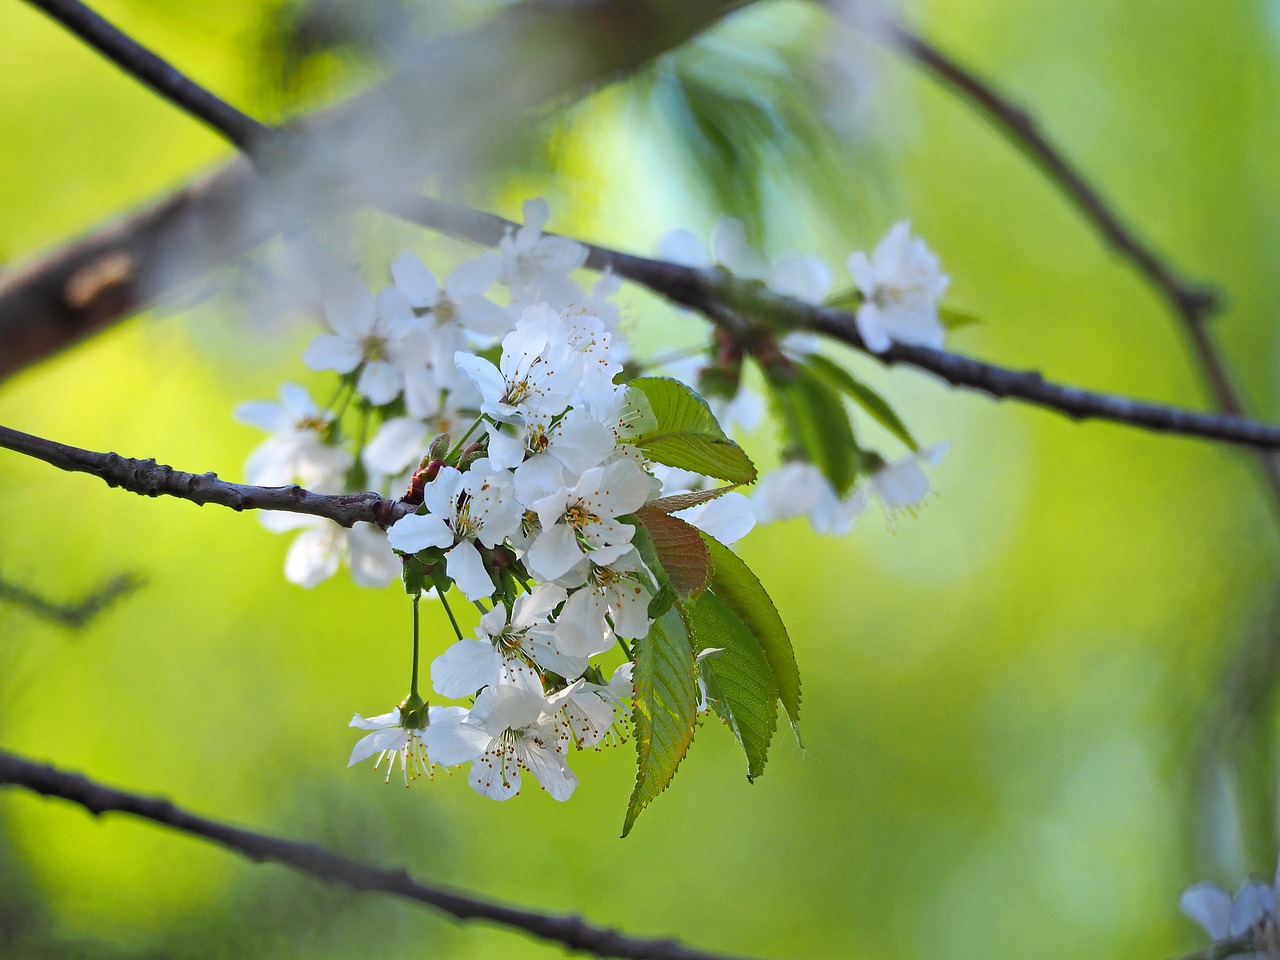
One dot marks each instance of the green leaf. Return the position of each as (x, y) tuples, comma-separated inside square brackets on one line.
[(857, 391), (954, 319), (683, 501), (735, 584), (687, 434), (666, 696), (679, 549), (740, 684), (816, 425)]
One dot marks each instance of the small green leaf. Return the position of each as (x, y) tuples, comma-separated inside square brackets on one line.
[(666, 696), (739, 681), (816, 425), (687, 434), (679, 549), (683, 501), (857, 391), (954, 319), (735, 584)]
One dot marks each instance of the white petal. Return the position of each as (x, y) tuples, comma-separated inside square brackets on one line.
[(418, 531), (552, 772), (729, 242), (327, 352), (682, 247), (313, 557), (373, 563), (399, 442), (348, 307), (553, 552), (728, 518), (466, 568), (474, 277), (380, 382), (415, 280), (805, 278), (376, 742), (464, 668), (450, 741)]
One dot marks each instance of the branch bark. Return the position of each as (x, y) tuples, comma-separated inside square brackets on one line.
[(571, 931), (151, 479)]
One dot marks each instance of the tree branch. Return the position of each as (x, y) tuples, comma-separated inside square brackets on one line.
[(725, 300), (570, 930), (157, 73), (151, 479), (1191, 303), (72, 614)]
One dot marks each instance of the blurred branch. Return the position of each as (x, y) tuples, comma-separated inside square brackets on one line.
[(1191, 303), (728, 301), (127, 263), (571, 931), (158, 74), (72, 614), (151, 479)]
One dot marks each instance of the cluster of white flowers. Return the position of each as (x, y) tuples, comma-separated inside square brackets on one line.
[(529, 512), (1246, 925)]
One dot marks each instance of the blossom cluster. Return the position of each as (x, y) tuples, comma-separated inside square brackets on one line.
[(530, 513)]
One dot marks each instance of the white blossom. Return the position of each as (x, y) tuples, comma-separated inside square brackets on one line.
[(318, 551), (901, 285), (536, 267), (392, 738), (592, 710), (728, 517), (297, 448), (618, 591)]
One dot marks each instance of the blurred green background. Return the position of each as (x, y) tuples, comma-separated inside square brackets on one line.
[(1005, 697)]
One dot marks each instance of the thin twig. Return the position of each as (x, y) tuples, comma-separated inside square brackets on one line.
[(157, 73), (1191, 303), (72, 614), (569, 930), (725, 300), (151, 479)]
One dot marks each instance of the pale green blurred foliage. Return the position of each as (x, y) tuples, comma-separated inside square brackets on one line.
[(1002, 696)]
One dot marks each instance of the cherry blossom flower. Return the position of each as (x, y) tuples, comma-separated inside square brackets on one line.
[(380, 336), (459, 304), (618, 591), (901, 285), (593, 710), (582, 520), (536, 375), (298, 448), (536, 267), (318, 551), (510, 728), (728, 517), (479, 505), (903, 484), (508, 649), (798, 488), (399, 733), (543, 452), (1252, 916)]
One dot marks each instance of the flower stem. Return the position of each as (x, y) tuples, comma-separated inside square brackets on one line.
[(625, 649), (456, 629), (413, 681), (452, 456)]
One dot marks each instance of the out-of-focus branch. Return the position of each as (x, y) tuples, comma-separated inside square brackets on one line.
[(1191, 303), (728, 301), (571, 931), (75, 614), (151, 479), (453, 96)]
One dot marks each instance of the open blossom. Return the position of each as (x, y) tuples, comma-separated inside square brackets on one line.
[(318, 551), (380, 336), (543, 451), (798, 488), (901, 285), (592, 710), (536, 375), (536, 267), (508, 649), (510, 728), (398, 733), (618, 591), (459, 304), (903, 484), (297, 448), (582, 520), (462, 508), (1251, 916)]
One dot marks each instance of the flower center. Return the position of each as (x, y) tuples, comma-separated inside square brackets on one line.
[(375, 347)]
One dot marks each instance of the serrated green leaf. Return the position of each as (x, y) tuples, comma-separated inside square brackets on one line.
[(666, 696), (683, 501), (687, 434), (857, 391), (740, 684), (816, 425), (664, 595), (735, 584), (679, 549)]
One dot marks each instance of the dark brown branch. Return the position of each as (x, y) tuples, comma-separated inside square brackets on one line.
[(158, 74), (71, 614), (726, 300), (151, 479), (570, 930), (1191, 303)]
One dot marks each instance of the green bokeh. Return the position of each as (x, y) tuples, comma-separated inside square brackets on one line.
[(1001, 697)]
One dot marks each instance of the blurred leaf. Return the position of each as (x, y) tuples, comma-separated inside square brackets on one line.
[(733, 583), (816, 425), (680, 550), (954, 319), (857, 391), (666, 696), (687, 434), (740, 684)]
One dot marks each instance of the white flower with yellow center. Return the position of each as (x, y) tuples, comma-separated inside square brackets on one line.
[(901, 285)]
